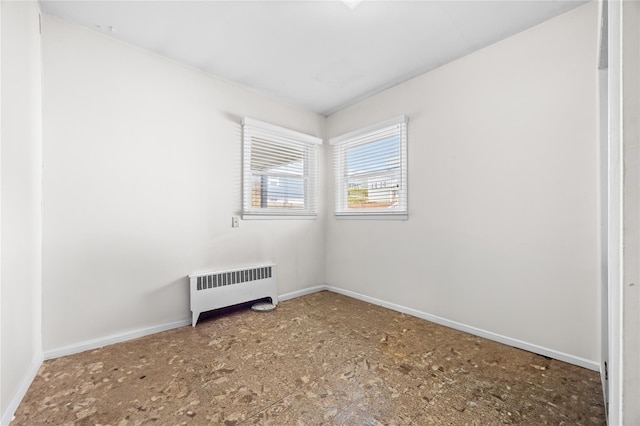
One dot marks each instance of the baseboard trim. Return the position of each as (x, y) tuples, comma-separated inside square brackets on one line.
[(303, 292), (123, 337), (581, 362), (100, 342), (28, 378)]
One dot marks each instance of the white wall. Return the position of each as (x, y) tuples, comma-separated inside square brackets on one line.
[(21, 173), (502, 230), (631, 212), (142, 174), (603, 193)]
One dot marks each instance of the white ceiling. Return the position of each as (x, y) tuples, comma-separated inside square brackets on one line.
[(319, 55)]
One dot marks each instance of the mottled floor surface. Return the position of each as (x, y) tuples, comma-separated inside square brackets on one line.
[(318, 359)]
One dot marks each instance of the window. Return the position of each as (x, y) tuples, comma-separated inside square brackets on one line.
[(370, 167), (280, 171)]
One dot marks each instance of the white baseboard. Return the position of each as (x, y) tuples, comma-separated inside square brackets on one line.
[(7, 416), (581, 362), (32, 371), (99, 342), (303, 292), (123, 337)]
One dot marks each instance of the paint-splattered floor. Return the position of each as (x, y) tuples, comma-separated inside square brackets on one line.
[(318, 359)]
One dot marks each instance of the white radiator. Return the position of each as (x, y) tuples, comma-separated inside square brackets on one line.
[(214, 290)]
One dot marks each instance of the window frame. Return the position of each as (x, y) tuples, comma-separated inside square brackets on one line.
[(252, 129), (398, 126)]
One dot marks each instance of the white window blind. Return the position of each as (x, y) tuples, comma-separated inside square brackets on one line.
[(370, 169), (280, 171)]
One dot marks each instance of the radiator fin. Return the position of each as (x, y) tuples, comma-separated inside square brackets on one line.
[(206, 282)]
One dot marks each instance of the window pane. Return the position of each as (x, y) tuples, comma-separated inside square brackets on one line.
[(277, 192), (373, 193), (370, 167), (374, 157), (372, 174), (280, 171)]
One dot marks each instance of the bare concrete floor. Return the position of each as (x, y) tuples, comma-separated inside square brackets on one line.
[(319, 359)]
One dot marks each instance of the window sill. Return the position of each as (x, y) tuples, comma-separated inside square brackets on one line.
[(371, 216), (278, 217)]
